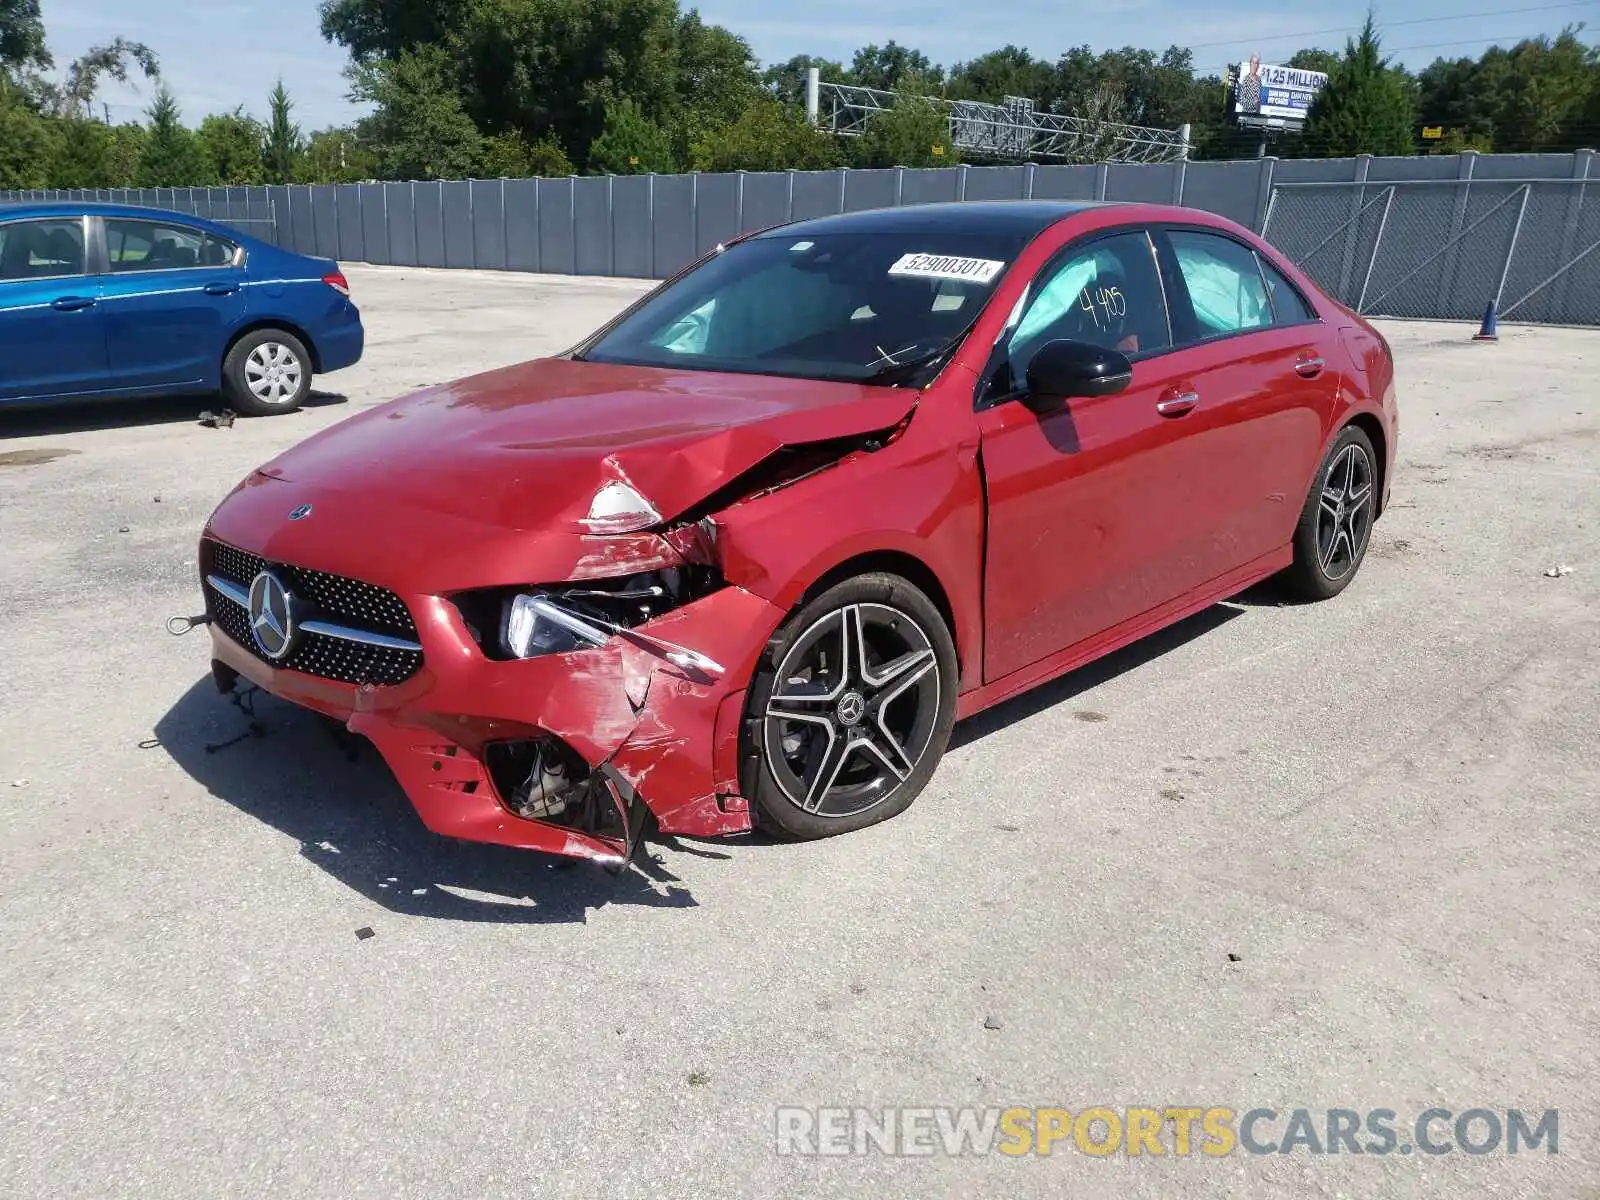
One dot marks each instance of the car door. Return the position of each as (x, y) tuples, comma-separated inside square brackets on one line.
[(1266, 391), (1089, 515), (52, 337), (172, 294)]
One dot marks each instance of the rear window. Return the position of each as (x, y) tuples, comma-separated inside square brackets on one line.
[(41, 249), (135, 245)]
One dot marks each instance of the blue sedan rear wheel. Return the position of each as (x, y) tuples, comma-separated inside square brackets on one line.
[(268, 371)]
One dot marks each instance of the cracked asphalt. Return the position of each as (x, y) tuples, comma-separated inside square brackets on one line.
[(1341, 855)]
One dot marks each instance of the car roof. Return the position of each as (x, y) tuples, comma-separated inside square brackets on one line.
[(13, 210), (1014, 218)]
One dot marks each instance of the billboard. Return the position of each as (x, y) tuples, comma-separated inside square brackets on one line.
[(1264, 93)]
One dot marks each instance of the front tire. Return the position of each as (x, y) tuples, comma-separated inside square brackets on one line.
[(850, 710), (268, 371), (1336, 523)]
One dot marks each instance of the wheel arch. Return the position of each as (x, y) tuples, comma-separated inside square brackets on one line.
[(257, 324), (910, 568), (1373, 428)]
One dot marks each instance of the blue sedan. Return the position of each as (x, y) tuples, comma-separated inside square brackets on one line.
[(108, 300)]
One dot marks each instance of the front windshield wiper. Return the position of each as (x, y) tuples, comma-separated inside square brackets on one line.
[(903, 372)]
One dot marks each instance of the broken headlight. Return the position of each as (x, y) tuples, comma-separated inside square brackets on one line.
[(528, 622)]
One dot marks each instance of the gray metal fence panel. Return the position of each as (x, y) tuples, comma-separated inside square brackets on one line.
[(674, 222), (816, 194), (349, 242), (455, 199), (402, 210), (429, 200), (488, 223), (1222, 189), (932, 185), (996, 183), (557, 253), (633, 226), (374, 222), (302, 221), (766, 198), (1065, 183), (522, 225), (1152, 184), (1314, 170), (591, 225), (717, 210), (871, 189)]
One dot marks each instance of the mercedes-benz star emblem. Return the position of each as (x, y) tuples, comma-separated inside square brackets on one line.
[(301, 513), (272, 617), (852, 707)]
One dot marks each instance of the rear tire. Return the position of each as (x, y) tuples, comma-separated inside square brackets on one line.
[(267, 372), (1336, 523), (850, 709)]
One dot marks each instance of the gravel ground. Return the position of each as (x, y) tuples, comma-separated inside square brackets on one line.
[(1341, 855)]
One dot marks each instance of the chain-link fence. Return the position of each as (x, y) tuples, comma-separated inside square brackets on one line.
[(1446, 248)]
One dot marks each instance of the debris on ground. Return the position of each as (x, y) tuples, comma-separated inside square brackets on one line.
[(1232, 957), (992, 1022), (221, 420), (698, 1079), (19, 783), (365, 932), (123, 528), (1558, 571)]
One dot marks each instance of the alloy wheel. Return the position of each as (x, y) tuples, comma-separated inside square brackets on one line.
[(853, 709), (272, 372), (1344, 521)]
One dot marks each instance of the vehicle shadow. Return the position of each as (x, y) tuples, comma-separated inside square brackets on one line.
[(86, 416), (1058, 691), (298, 773)]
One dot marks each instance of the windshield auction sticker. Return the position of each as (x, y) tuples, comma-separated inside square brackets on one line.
[(944, 266)]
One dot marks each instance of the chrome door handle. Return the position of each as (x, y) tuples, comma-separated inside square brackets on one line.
[(73, 303), (1176, 406), (1310, 367), (221, 289)]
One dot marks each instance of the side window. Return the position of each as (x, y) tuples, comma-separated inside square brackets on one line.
[(151, 246), (41, 249), (1107, 293), (1288, 305), (1224, 283)]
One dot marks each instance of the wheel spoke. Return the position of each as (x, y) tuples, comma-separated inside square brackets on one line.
[(1358, 497), (889, 752), (852, 645), (1330, 501), (1349, 469), (834, 755), (918, 661), (796, 704)]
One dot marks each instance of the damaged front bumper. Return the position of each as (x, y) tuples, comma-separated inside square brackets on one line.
[(647, 738)]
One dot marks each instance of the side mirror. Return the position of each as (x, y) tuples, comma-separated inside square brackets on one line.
[(1063, 368)]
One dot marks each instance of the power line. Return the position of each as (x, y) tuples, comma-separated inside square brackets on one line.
[(1497, 12), (1220, 68)]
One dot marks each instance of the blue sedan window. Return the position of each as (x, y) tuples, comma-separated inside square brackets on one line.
[(41, 249), (153, 246)]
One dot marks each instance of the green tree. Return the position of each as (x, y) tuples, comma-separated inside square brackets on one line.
[(234, 143), (373, 29), (787, 80), (512, 156), (421, 129), (283, 143), (714, 82), (1009, 71), (28, 142), (1313, 59), (914, 132), (888, 66), (1367, 107), (22, 44), (335, 156), (82, 157), (74, 96), (631, 144), (172, 155), (127, 148), (767, 137)]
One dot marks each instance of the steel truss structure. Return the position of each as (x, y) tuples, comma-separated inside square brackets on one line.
[(1011, 131)]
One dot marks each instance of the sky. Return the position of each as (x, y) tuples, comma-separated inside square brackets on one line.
[(217, 55)]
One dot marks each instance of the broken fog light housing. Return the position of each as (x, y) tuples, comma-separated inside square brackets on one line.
[(535, 625), (539, 779)]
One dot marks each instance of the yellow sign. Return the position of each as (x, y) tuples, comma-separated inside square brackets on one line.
[(1433, 131), (633, 160), (938, 151)]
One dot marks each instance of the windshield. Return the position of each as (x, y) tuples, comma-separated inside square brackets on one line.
[(845, 306)]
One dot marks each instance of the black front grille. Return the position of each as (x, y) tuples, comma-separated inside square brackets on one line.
[(323, 597)]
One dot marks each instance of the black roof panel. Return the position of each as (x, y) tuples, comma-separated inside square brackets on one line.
[(1025, 218)]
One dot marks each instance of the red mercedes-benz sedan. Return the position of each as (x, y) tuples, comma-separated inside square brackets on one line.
[(744, 556)]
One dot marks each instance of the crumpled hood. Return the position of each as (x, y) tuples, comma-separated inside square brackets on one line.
[(529, 446)]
